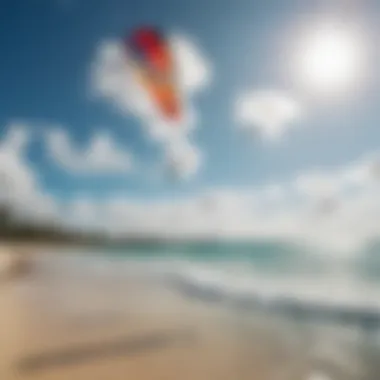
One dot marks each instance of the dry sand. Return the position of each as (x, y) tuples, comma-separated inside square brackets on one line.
[(192, 341)]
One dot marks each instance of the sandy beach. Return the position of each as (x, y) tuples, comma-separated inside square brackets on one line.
[(61, 327)]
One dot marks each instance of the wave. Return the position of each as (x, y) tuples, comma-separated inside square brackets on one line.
[(276, 279)]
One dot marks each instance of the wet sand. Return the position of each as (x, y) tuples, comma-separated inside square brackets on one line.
[(56, 327)]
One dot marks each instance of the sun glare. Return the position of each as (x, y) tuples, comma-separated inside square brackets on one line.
[(330, 59)]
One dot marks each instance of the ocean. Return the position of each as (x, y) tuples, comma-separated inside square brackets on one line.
[(330, 305), (272, 271)]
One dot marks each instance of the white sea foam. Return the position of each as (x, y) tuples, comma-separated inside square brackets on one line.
[(232, 279), (331, 289)]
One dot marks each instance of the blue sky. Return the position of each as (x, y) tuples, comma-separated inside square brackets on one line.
[(48, 48)]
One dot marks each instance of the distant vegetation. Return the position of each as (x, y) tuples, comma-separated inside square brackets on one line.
[(22, 230), (15, 229)]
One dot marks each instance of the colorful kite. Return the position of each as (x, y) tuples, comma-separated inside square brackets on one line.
[(152, 61)]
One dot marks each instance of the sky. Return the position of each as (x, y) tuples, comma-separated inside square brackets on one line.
[(280, 112)]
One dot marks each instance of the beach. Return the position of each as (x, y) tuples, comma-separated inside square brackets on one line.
[(61, 323)]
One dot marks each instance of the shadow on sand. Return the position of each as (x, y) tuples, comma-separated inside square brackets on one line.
[(125, 346)]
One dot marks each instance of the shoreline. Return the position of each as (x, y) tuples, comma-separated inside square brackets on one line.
[(64, 316), (31, 325)]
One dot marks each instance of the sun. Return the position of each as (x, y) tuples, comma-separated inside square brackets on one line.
[(330, 58)]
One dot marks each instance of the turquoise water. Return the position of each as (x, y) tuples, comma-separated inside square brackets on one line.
[(265, 256), (268, 270)]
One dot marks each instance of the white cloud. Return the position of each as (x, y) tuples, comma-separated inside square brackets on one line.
[(113, 81), (19, 187), (182, 159), (16, 177), (102, 155), (216, 212), (318, 184), (16, 139), (273, 193), (195, 70), (269, 112), (361, 175), (82, 213), (36, 208), (365, 171), (248, 213)]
